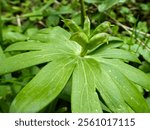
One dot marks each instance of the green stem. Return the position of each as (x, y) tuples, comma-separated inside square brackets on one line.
[(83, 52), (83, 12), (1, 36)]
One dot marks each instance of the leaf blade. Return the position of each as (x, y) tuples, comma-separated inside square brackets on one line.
[(27, 59), (129, 92), (84, 96), (29, 45), (118, 54), (108, 4), (43, 89), (135, 75), (110, 93)]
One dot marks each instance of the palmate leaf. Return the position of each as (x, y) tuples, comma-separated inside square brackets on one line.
[(52, 78), (101, 74), (84, 96), (46, 85), (89, 75)]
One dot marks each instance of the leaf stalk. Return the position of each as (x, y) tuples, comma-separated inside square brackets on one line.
[(83, 51)]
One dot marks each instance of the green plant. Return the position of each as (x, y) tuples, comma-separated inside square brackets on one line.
[(90, 66), (94, 62)]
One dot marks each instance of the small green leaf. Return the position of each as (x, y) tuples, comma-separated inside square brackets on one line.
[(72, 25), (97, 39), (81, 38), (84, 96), (31, 31), (87, 26), (44, 88), (4, 90), (13, 36), (52, 20), (103, 27), (108, 4)]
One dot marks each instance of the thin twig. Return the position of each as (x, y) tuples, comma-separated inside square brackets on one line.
[(129, 30), (18, 20), (140, 42)]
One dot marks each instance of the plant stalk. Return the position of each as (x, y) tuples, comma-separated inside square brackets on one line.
[(83, 12), (83, 52)]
